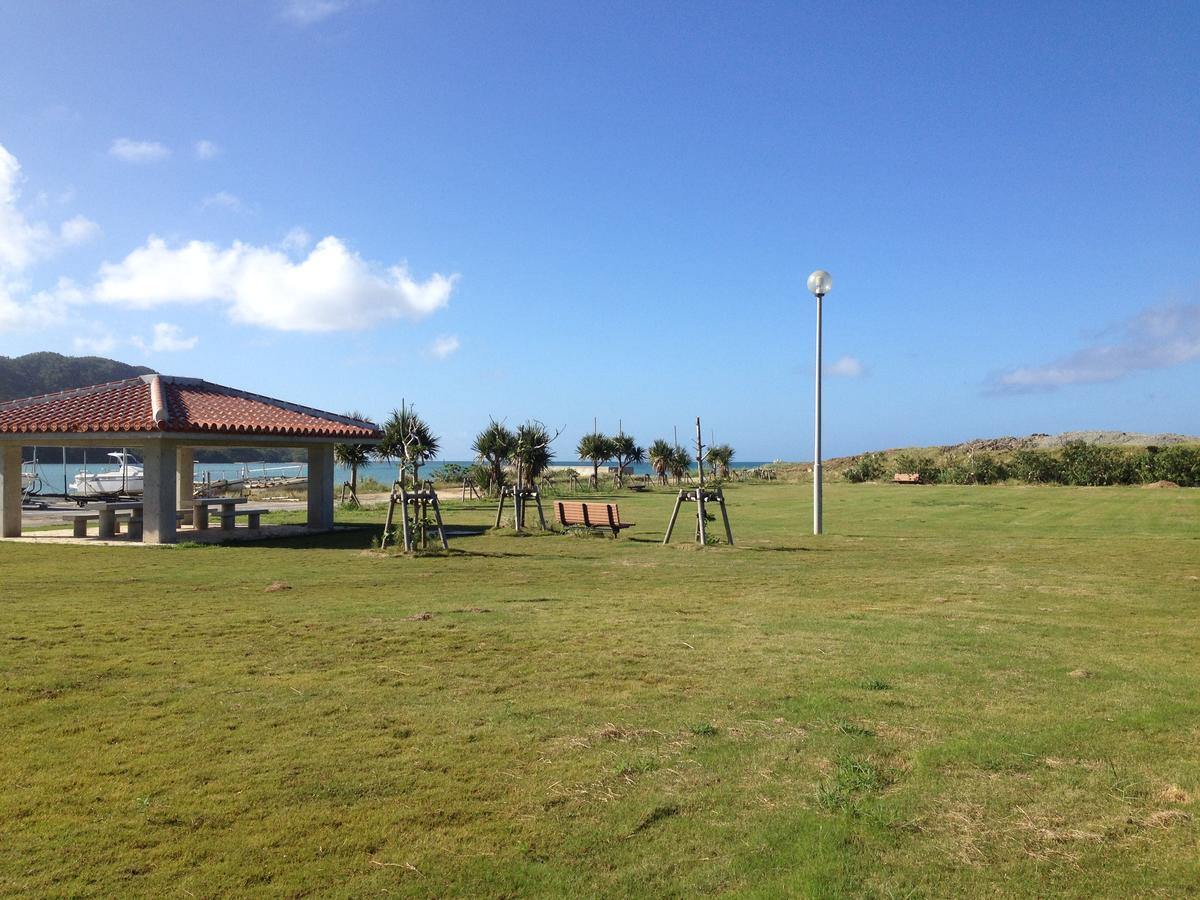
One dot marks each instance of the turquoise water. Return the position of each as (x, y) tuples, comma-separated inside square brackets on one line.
[(54, 475)]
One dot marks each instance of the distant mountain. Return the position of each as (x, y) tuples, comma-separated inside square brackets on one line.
[(46, 373)]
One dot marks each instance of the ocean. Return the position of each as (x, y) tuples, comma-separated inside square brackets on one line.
[(55, 476)]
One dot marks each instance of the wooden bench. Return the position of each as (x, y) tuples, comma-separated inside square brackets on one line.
[(590, 515), (906, 478), (229, 518)]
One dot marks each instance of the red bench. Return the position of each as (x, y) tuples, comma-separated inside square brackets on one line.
[(590, 515)]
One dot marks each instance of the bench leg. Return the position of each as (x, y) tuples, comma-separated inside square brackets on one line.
[(108, 524), (253, 520), (228, 523), (79, 527), (135, 529), (200, 518)]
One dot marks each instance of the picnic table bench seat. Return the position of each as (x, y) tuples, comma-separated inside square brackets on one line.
[(229, 517), (590, 515)]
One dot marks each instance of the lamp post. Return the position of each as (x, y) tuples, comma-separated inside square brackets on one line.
[(819, 283)]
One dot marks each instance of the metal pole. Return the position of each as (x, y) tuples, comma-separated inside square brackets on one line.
[(817, 441)]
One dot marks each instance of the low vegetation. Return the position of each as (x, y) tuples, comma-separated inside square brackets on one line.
[(954, 692)]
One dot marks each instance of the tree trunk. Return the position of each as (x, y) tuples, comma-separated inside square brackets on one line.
[(596, 474)]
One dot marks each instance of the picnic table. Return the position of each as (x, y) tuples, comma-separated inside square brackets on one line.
[(106, 514), (201, 507)]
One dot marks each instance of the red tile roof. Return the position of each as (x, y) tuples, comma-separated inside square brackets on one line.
[(163, 403)]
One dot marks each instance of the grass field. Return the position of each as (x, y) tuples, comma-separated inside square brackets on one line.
[(955, 692)]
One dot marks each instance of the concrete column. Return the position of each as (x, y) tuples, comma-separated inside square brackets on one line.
[(10, 490), (320, 486), (185, 480), (158, 497)]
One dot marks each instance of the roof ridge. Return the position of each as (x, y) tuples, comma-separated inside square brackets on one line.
[(69, 393)]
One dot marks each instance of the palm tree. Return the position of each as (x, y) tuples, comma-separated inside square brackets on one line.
[(681, 463), (494, 446), (352, 456), (531, 452), (719, 457), (407, 437), (625, 450), (597, 448), (660, 458)]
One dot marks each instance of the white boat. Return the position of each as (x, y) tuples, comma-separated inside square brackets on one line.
[(125, 479), (31, 483)]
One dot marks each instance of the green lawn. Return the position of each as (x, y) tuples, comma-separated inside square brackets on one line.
[(955, 692)]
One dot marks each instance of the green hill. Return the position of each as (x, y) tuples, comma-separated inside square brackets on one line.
[(46, 373)]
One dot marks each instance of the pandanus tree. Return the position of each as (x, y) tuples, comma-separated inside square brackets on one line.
[(531, 451), (494, 446), (352, 456), (659, 455), (719, 457), (625, 451), (680, 463), (408, 438), (596, 448)]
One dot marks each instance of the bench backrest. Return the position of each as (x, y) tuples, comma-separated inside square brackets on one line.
[(604, 515)]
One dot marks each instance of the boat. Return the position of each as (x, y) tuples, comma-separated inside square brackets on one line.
[(125, 479), (31, 482)]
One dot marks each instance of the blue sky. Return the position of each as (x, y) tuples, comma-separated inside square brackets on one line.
[(567, 211)]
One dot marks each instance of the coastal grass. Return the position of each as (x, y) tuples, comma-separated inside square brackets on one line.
[(957, 691)]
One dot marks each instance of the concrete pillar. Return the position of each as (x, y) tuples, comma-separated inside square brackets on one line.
[(10, 490), (158, 497), (320, 486), (185, 480)]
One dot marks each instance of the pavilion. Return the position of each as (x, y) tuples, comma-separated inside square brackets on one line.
[(168, 418)]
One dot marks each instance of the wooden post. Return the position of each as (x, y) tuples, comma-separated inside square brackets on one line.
[(500, 507), (674, 514), (391, 514), (700, 531), (725, 516), (437, 514), (404, 524), (541, 515)]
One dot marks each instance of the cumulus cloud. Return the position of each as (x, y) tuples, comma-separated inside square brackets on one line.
[(206, 150), (167, 338), (78, 230), (20, 241), (444, 345), (846, 367), (223, 200), (131, 151), (1157, 338), (309, 12), (332, 289)]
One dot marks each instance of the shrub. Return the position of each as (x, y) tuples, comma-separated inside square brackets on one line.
[(924, 466), (1035, 467), (868, 467), (1090, 464), (1178, 464)]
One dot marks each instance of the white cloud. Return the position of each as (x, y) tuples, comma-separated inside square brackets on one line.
[(20, 241), (206, 150), (296, 240), (444, 345), (846, 367), (100, 343), (1157, 338), (223, 200), (308, 12), (167, 338), (131, 151), (332, 289), (78, 230)]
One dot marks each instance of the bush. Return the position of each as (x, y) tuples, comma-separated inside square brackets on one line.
[(924, 466), (1035, 467), (1089, 464), (868, 467), (1178, 464), (451, 472)]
